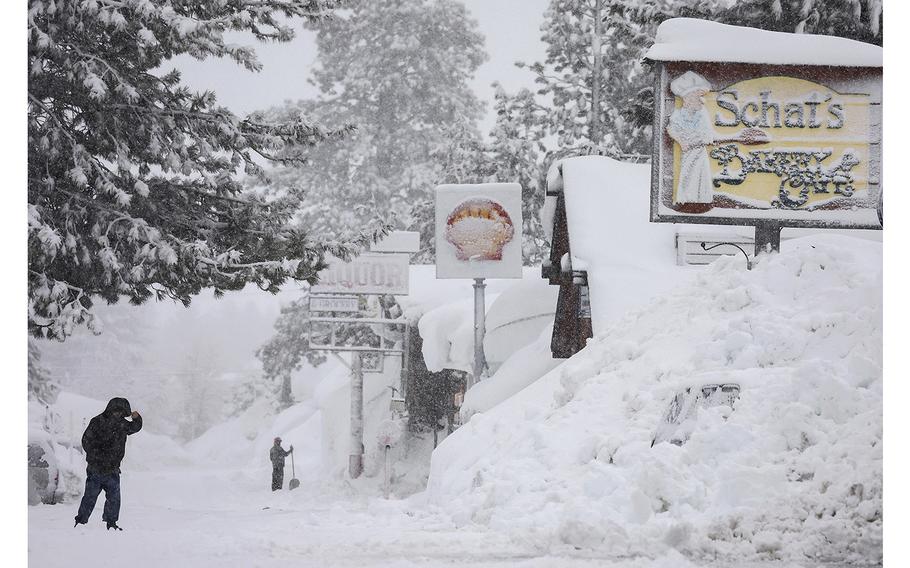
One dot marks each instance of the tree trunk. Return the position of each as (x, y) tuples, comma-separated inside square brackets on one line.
[(284, 397), (595, 124)]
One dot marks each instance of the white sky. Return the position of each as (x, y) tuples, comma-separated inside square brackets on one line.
[(511, 29)]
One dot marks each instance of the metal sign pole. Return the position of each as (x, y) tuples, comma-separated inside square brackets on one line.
[(355, 463), (479, 329)]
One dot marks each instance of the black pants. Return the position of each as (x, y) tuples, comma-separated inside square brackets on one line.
[(94, 483), (277, 477)]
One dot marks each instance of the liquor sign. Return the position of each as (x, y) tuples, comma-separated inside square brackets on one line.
[(380, 273), (334, 303), (757, 143), (478, 230)]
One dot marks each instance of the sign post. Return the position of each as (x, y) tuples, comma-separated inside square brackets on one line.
[(355, 461), (479, 330), (341, 289), (384, 341), (478, 236)]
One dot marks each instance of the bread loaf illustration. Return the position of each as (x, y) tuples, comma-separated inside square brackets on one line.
[(479, 228)]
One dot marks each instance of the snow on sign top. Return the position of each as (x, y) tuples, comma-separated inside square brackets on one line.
[(689, 39)]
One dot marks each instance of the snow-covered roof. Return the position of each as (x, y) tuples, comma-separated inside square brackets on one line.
[(689, 39), (629, 260)]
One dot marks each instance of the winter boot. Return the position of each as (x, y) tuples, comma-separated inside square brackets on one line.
[(78, 522), (113, 525)]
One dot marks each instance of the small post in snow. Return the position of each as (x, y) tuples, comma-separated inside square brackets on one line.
[(479, 329), (355, 463), (388, 472), (767, 237)]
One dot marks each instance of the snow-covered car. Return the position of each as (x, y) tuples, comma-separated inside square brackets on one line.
[(43, 473)]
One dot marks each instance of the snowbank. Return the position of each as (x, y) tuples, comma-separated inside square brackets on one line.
[(446, 314), (448, 336), (794, 471), (245, 440), (525, 366), (516, 318), (145, 450), (689, 39), (60, 426)]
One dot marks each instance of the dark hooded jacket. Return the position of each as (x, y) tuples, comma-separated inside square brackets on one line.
[(104, 441), (277, 455)]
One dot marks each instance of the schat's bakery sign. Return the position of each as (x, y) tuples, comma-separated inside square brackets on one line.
[(750, 144)]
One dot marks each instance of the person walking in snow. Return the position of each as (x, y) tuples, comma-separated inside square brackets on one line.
[(277, 455), (104, 442)]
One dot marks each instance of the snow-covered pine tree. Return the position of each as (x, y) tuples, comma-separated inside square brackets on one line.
[(514, 153), (398, 70), (287, 350), (197, 398), (134, 185), (41, 386), (282, 355), (460, 156), (517, 152), (855, 19), (593, 71)]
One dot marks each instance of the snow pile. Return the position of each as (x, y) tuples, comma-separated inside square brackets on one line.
[(445, 309), (517, 317), (524, 367), (689, 39), (629, 260), (448, 336), (145, 450), (245, 440), (425, 292), (319, 429), (794, 471)]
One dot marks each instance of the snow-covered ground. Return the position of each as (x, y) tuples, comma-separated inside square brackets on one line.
[(564, 473), (198, 517)]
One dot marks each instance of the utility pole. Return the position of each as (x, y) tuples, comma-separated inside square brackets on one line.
[(596, 77), (355, 463)]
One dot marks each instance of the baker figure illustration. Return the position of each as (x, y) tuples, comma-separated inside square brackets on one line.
[(690, 126)]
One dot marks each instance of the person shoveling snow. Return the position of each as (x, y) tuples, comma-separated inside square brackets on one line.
[(277, 455)]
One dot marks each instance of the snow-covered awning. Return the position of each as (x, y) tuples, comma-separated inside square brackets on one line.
[(689, 39)]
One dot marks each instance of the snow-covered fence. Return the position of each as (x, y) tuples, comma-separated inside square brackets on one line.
[(690, 252)]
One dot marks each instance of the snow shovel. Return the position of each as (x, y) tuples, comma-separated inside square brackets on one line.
[(294, 483)]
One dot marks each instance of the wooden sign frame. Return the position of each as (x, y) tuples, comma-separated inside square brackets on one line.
[(843, 80)]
